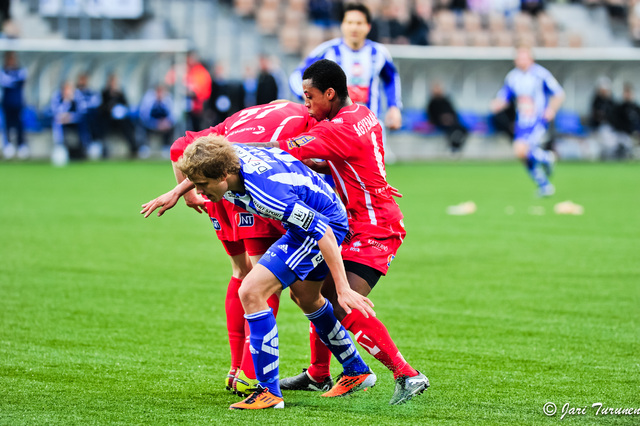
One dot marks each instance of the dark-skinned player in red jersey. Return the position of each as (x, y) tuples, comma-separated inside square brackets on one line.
[(349, 137)]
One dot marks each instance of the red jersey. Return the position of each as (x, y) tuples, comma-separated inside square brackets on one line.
[(352, 145), (262, 123)]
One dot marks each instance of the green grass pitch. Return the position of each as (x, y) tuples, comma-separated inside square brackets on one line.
[(110, 318)]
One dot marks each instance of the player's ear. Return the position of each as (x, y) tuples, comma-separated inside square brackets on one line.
[(330, 93)]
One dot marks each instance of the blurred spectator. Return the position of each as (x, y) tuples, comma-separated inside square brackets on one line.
[(12, 79), (68, 109), (443, 115), (267, 87), (602, 105), (393, 27), (92, 101), (113, 115), (197, 81), (156, 116), (5, 12), (418, 27), (628, 112), (250, 84), (321, 13), (627, 115), (8, 27), (602, 119), (227, 97), (504, 121), (532, 7)]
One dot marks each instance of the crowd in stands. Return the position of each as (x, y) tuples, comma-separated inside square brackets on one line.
[(84, 120), (303, 24), (615, 124)]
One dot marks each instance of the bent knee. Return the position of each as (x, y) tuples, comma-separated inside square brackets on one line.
[(521, 150)]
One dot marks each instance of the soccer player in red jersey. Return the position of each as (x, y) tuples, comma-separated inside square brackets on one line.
[(245, 236), (349, 137)]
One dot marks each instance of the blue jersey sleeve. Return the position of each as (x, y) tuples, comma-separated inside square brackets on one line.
[(551, 85), (391, 81)]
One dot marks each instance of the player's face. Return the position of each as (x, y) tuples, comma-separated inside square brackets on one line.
[(213, 189), (318, 104), (355, 28), (524, 59)]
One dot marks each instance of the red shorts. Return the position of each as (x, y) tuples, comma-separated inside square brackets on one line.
[(253, 246), (232, 223), (373, 245)]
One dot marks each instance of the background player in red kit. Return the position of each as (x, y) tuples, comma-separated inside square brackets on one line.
[(349, 137), (245, 236)]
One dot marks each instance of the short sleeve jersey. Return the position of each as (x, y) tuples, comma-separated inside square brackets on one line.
[(262, 123), (531, 89), (352, 144), (278, 186)]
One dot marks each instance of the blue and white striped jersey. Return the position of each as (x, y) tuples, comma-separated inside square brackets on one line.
[(531, 90), (280, 187), (368, 71)]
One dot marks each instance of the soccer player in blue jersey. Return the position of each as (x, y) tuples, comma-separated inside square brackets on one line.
[(368, 66), (538, 96), (273, 184)]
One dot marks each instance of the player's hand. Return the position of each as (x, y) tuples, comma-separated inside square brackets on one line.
[(163, 202), (549, 115), (394, 192), (194, 201), (351, 299), (393, 119), (317, 166)]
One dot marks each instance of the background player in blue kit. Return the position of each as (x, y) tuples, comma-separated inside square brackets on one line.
[(273, 184), (538, 96), (368, 66)]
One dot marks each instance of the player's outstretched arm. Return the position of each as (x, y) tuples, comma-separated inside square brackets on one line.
[(166, 201), (347, 298)]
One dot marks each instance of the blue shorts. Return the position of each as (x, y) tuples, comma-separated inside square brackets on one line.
[(296, 256), (532, 136)]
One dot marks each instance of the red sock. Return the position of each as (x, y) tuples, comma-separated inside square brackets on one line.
[(247, 361), (235, 321), (373, 336), (320, 357)]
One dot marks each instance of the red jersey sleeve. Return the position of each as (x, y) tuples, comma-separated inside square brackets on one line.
[(178, 147)]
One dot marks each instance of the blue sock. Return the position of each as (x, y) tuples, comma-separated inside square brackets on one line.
[(335, 337), (537, 174), (265, 350)]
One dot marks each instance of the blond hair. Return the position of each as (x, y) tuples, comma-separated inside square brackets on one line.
[(209, 156)]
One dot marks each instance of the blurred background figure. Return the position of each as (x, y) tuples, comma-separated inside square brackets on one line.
[(602, 118), (12, 79), (627, 123), (156, 116), (113, 115), (197, 81), (267, 87), (68, 109), (227, 96), (92, 101), (443, 115), (504, 121)]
